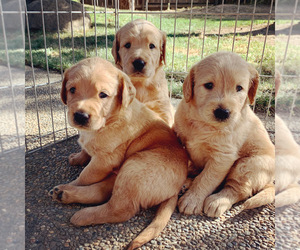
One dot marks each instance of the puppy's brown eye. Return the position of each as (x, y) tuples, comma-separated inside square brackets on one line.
[(209, 85), (151, 46), (72, 90), (127, 45), (239, 88), (102, 95)]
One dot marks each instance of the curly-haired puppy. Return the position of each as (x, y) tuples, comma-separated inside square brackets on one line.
[(136, 160), (226, 141)]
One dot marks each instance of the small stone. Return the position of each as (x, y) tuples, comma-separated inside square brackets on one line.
[(159, 239), (247, 233), (229, 244)]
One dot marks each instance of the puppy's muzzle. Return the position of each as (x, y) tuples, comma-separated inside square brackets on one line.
[(81, 118), (221, 114), (139, 64)]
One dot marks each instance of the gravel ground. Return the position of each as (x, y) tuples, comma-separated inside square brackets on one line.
[(287, 222), (48, 226)]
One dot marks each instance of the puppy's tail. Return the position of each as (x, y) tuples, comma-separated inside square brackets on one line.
[(161, 219), (265, 196)]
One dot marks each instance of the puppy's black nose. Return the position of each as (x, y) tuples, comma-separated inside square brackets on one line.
[(81, 118), (138, 64), (221, 114)]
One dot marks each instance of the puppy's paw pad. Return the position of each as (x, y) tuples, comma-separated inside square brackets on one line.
[(56, 194), (215, 206)]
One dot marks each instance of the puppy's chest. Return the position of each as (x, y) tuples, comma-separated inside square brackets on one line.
[(205, 147), (144, 94), (97, 146)]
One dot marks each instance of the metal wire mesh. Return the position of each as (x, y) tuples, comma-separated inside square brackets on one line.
[(11, 78), (188, 40), (12, 124), (288, 64)]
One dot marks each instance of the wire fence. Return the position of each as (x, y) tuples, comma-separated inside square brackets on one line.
[(12, 79), (192, 34), (287, 64)]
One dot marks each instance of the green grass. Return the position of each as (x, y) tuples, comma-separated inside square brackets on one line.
[(265, 96), (288, 48), (287, 97), (287, 63), (181, 40), (13, 49)]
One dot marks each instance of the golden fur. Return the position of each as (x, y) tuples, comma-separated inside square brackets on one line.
[(287, 174), (234, 149), (136, 160), (150, 82), (146, 43)]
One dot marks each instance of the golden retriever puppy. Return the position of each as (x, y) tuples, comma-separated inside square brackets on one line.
[(136, 160), (139, 49), (287, 174), (226, 141)]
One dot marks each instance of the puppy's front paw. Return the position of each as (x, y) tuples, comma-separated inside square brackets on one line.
[(215, 205), (191, 203), (59, 194)]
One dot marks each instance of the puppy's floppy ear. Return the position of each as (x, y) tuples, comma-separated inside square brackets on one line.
[(127, 91), (188, 86), (63, 92), (253, 83), (163, 47), (116, 48)]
